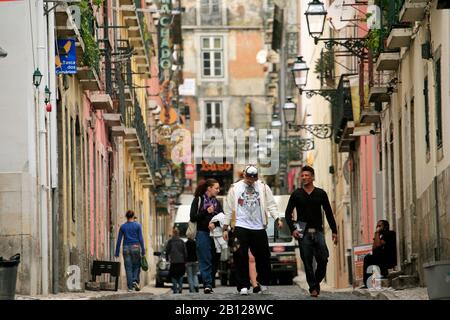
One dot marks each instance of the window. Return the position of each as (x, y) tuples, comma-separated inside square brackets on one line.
[(427, 115), (212, 57), (213, 114), (438, 103), (210, 7), (210, 12)]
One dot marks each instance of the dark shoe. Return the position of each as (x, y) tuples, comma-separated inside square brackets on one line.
[(207, 290), (257, 289), (136, 286), (196, 289), (314, 293)]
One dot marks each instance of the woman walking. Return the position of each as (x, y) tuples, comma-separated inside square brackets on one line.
[(133, 247), (205, 206)]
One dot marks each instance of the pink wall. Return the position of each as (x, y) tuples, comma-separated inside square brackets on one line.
[(97, 212), (367, 182)]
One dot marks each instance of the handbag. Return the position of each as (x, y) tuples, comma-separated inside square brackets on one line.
[(144, 263), (191, 231)]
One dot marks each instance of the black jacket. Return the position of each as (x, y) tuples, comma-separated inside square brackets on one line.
[(203, 217), (309, 209)]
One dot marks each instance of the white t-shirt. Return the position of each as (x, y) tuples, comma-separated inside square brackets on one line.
[(248, 211)]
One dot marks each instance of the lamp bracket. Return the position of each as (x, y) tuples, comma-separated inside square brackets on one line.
[(328, 94), (357, 46), (321, 131), (302, 144)]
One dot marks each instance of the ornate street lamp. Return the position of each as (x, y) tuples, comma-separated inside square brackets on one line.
[(37, 77), (300, 72), (315, 18), (290, 110), (47, 94)]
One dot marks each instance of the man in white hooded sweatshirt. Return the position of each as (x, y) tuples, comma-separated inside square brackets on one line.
[(246, 208)]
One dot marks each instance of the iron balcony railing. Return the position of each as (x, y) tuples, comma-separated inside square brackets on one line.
[(390, 11), (342, 111), (144, 28)]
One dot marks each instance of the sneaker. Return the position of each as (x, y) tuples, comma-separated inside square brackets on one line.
[(264, 288), (136, 286), (243, 292), (257, 289), (130, 290), (207, 290)]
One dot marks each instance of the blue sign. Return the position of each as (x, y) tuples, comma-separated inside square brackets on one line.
[(65, 57)]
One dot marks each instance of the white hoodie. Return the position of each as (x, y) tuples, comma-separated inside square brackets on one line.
[(268, 204)]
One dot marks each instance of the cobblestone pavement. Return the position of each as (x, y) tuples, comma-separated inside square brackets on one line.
[(230, 293)]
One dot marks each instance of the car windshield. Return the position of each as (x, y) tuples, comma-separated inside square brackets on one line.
[(277, 235)]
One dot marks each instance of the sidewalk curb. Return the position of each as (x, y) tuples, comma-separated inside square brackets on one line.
[(91, 295)]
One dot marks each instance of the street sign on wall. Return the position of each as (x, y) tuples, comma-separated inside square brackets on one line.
[(65, 57)]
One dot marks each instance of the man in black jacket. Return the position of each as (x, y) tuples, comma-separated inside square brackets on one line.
[(309, 202)]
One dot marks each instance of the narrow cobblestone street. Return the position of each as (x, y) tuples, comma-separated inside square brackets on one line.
[(229, 293)]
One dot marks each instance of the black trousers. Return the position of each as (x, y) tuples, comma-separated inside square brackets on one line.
[(377, 260), (257, 242)]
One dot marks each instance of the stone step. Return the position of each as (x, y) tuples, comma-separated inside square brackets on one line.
[(404, 282)]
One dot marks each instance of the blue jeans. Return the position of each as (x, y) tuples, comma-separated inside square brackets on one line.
[(205, 258), (313, 245), (132, 261), (192, 270), (177, 284)]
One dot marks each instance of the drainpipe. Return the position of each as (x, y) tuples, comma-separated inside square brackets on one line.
[(437, 250), (42, 154), (53, 151)]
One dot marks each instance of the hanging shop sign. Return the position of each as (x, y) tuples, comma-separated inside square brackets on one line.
[(215, 167), (65, 57), (165, 46)]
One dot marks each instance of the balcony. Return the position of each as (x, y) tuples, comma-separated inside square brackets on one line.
[(399, 38), (388, 61), (369, 116), (379, 94), (347, 139), (342, 116), (112, 119), (101, 101), (87, 68), (136, 140), (138, 35), (364, 130), (412, 11)]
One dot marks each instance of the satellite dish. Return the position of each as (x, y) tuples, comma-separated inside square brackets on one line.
[(261, 56), (338, 12)]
